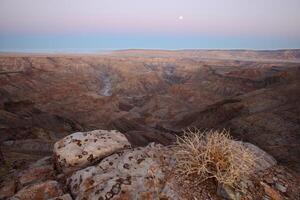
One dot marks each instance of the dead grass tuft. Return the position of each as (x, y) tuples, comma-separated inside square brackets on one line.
[(212, 155)]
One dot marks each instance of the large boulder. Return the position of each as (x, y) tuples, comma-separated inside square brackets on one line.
[(139, 173), (264, 160), (83, 149)]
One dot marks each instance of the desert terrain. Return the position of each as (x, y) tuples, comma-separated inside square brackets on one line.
[(150, 96)]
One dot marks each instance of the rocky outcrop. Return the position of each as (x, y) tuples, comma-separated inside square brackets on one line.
[(140, 173), (118, 172), (82, 149)]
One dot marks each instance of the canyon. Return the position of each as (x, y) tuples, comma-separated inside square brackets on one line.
[(149, 96)]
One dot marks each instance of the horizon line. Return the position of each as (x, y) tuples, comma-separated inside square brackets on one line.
[(108, 50)]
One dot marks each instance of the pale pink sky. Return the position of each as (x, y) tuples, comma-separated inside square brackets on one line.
[(276, 19), (251, 17)]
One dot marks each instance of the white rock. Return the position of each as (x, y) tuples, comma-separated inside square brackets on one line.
[(83, 149), (281, 187), (131, 174)]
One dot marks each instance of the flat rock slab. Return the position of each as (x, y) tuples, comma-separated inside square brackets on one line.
[(41, 191), (83, 149), (39, 171)]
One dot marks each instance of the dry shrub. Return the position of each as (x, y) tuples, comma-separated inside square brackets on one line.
[(213, 155)]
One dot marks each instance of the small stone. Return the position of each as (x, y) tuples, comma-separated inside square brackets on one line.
[(266, 198), (246, 183), (281, 187), (60, 176), (269, 180), (63, 197), (228, 192), (274, 194), (243, 184)]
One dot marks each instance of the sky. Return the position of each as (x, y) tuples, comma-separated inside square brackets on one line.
[(95, 25)]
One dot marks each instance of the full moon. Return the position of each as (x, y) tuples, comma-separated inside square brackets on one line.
[(180, 17)]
